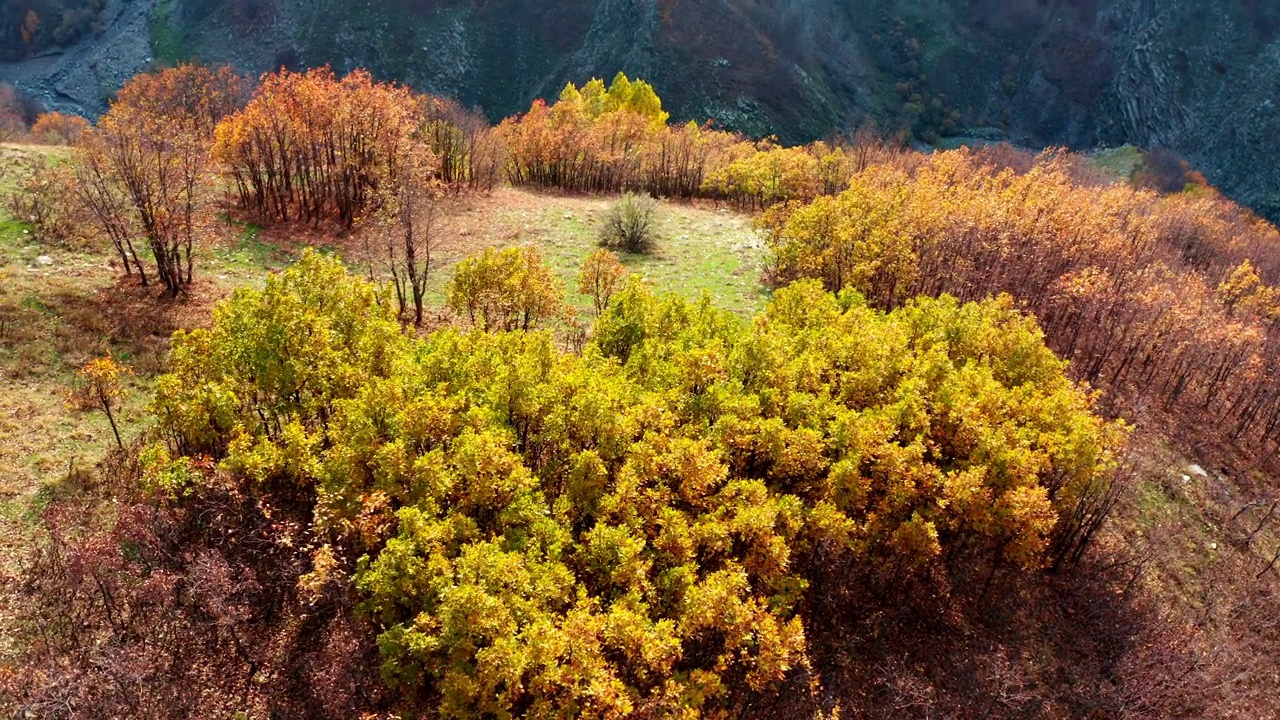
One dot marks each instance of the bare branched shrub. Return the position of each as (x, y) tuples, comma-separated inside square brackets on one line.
[(470, 153), (179, 609), (42, 201)]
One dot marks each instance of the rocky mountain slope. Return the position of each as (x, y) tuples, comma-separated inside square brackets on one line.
[(1197, 76)]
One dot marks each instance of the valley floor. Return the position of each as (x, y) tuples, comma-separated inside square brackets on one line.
[(1190, 537)]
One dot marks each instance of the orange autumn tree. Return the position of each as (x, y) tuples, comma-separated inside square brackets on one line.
[(30, 27), (193, 97), (55, 128), (310, 147), (143, 169), (600, 277)]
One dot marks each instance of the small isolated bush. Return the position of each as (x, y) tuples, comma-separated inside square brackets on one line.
[(102, 387), (1165, 171), (629, 225), (504, 290), (40, 201), (55, 128), (600, 275)]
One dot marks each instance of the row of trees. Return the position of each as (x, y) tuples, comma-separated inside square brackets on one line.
[(301, 147), (632, 529), (1165, 301), (312, 147), (616, 138)]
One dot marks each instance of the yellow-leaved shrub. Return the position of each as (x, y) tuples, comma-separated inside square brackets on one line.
[(632, 530)]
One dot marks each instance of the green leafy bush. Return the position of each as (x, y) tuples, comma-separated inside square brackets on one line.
[(503, 290), (632, 530), (276, 358), (629, 224)]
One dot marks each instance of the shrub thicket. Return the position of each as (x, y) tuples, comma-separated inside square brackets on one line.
[(313, 147), (55, 128), (1166, 301), (632, 529)]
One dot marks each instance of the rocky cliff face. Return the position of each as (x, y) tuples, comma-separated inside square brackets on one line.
[(1202, 78), (1197, 76)]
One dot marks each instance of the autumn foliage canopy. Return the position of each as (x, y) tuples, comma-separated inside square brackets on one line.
[(1163, 300), (634, 525), (632, 529)]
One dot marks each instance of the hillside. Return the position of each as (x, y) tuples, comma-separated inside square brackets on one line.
[(326, 398), (1170, 594), (1196, 77)]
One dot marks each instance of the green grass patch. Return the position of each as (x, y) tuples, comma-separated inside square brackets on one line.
[(167, 43), (35, 304), (249, 251), (699, 250), (1155, 504), (14, 234), (1118, 163)]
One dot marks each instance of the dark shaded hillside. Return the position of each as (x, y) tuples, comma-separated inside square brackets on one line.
[(28, 27), (1196, 77)]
